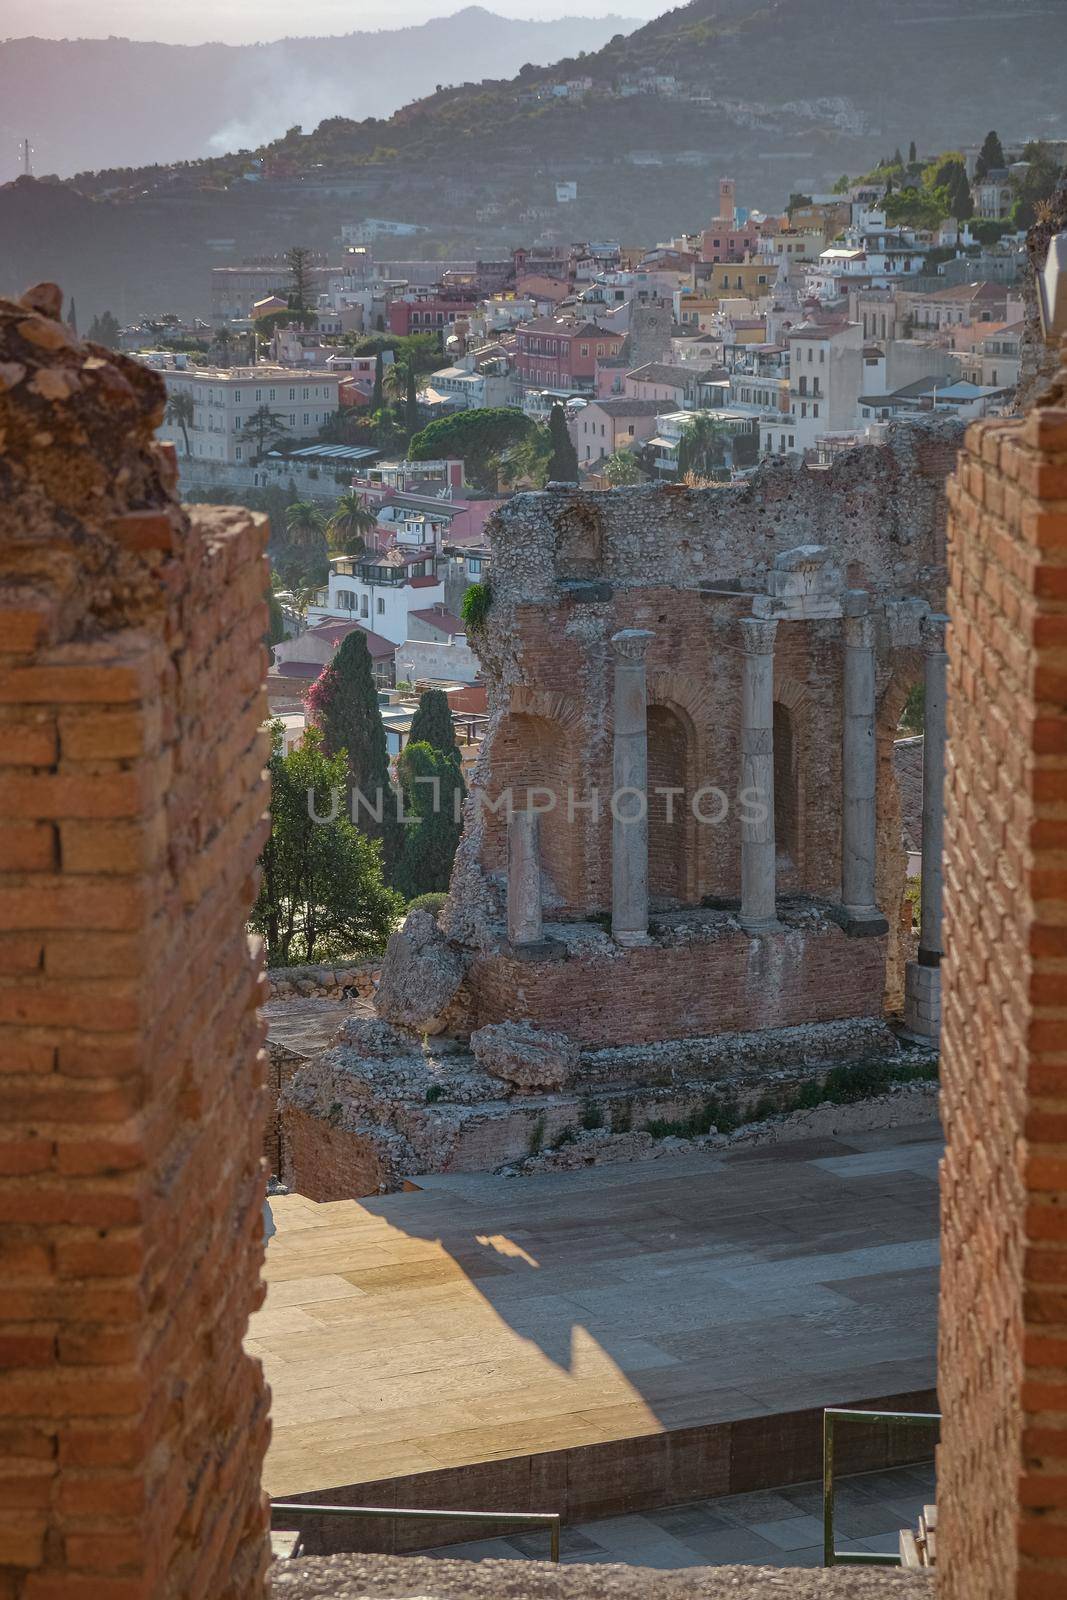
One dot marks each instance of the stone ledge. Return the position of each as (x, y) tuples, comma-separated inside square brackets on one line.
[(358, 1577)]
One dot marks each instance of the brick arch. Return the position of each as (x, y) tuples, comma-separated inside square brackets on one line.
[(672, 842), (533, 751), (891, 869), (564, 709), (793, 709)]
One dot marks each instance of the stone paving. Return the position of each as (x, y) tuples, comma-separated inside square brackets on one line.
[(487, 1318), (777, 1528)]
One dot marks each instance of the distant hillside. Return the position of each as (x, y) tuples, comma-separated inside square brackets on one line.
[(781, 94), (91, 103)]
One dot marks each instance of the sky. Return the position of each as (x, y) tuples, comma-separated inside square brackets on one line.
[(243, 21)]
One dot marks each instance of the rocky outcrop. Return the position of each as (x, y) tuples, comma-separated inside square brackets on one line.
[(422, 976), (524, 1056)]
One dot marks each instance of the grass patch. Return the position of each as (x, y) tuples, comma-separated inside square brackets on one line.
[(592, 1116), (434, 1092), (537, 1137)]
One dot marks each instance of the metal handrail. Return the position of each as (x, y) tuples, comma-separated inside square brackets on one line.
[(531, 1519), (831, 1556)]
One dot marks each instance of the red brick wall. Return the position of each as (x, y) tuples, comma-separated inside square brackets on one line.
[(322, 1162), (132, 795), (685, 991), (1002, 1529)]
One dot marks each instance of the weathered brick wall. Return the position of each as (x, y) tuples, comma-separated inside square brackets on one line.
[(1002, 1529), (132, 797), (324, 1162), (684, 991)]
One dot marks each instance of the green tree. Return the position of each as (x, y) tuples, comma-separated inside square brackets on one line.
[(948, 173), (433, 789), (704, 447), (525, 465), (991, 155), (621, 469), (377, 393), (321, 893), (348, 522), (913, 154), (432, 724), (179, 413), (478, 438), (72, 318), (842, 185), (105, 330), (563, 462), (411, 403), (344, 702), (264, 428), (299, 263), (305, 524)]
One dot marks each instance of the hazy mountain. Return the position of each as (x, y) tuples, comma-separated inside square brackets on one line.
[(784, 95), (85, 104)]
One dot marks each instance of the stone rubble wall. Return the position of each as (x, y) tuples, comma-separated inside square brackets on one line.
[(1002, 1480), (132, 813), (334, 980)]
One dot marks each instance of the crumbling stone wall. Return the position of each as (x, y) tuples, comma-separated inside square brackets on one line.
[(132, 800), (1002, 1494), (568, 571)]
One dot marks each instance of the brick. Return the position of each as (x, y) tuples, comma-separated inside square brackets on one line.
[(54, 796), (26, 744), (27, 847)]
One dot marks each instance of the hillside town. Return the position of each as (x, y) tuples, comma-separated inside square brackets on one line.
[(429, 391)]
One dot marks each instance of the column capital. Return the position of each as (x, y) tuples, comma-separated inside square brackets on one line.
[(932, 632), (859, 630), (757, 635), (630, 644)]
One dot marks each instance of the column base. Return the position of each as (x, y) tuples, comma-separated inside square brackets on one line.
[(630, 939), (859, 922), (537, 950), (757, 925), (922, 1001)]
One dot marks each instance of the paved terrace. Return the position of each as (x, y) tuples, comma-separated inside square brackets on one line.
[(538, 1343)]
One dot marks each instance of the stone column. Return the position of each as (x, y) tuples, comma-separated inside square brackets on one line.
[(922, 978), (757, 775), (859, 910), (629, 799), (524, 880)]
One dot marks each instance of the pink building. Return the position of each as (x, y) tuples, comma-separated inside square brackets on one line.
[(560, 353)]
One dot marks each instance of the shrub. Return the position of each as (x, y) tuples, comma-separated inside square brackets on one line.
[(427, 902), (475, 606)]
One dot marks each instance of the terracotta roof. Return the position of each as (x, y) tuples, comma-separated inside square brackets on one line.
[(438, 617), (628, 408), (423, 583), (333, 633), (661, 372)]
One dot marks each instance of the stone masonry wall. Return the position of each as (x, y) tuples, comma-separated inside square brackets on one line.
[(132, 800), (1002, 1494), (804, 974)]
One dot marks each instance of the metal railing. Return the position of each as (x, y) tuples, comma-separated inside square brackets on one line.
[(832, 1557), (528, 1519)]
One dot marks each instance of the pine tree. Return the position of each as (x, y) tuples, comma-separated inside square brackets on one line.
[(563, 462), (379, 383), (72, 318), (913, 154), (898, 159), (344, 703), (299, 278)]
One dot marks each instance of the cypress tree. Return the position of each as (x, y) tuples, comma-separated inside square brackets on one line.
[(72, 318), (425, 866), (432, 724), (563, 462), (991, 155), (376, 396), (913, 154), (344, 702), (411, 404)]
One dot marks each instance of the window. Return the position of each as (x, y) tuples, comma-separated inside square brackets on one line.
[(815, 409), (790, 439), (259, 396), (270, 394), (364, 607), (307, 396), (803, 386), (237, 396), (237, 453), (307, 419), (822, 356), (292, 396), (803, 411), (292, 419), (585, 349), (236, 424), (381, 606)]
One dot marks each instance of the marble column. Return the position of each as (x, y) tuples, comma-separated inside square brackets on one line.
[(859, 755), (524, 880), (757, 775), (922, 978), (629, 799)]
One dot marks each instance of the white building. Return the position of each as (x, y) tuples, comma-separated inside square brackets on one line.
[(826, 378), (380, 591), (226, 402), (471, 386)]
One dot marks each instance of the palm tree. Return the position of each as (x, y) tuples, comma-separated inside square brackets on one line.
[(179, 414), (305, 523), (347, 523), (704, 447)]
